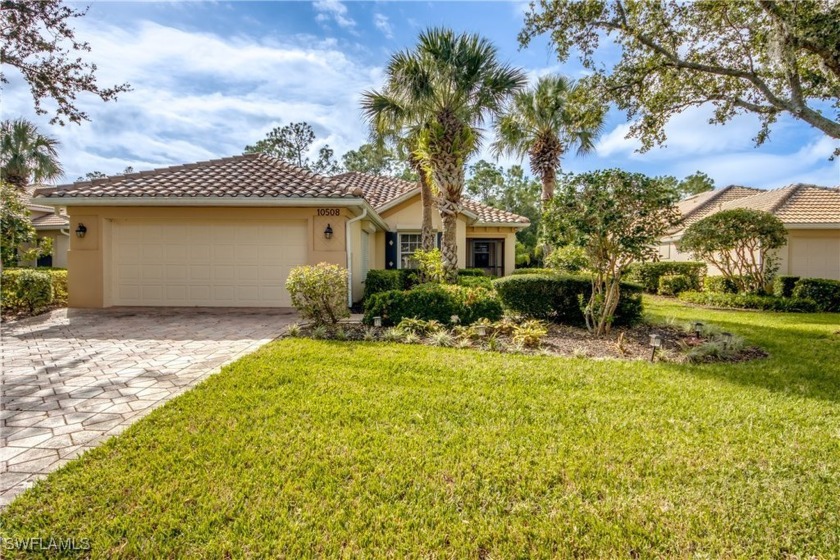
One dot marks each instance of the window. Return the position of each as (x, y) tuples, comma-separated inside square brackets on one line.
[(409, 242)]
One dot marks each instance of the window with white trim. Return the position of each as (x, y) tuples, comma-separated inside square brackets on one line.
[(407, 245)]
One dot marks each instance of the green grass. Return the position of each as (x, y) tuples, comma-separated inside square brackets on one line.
[(327, 449)]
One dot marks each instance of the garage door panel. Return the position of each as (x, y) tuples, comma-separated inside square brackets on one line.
[(222, 264)]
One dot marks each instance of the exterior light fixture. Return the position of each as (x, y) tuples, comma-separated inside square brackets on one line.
[(727, 339), (455, 320), (481, 330), (377, 321), (81, 230), (328, 232), (655, 342), (698, 329)]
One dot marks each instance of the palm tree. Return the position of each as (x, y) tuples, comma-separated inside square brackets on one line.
[(26, 155), (443, 91), (544, 122)]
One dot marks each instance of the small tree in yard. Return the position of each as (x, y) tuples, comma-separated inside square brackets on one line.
[(617, 218), (16, 231), (741, 243), (319, 292)]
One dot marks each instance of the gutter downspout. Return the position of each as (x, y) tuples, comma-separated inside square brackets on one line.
[(350, 255)]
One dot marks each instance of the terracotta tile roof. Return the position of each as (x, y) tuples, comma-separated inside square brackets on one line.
[(380, 190), (697, 207), (50, 221), (249, 175), (795, 204)]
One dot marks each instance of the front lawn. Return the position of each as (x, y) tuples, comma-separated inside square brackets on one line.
[(336, 449)]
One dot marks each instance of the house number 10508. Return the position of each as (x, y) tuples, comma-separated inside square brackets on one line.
[(329, 212)]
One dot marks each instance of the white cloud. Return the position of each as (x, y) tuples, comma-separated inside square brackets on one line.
[(333, 10), (384, 25), (198, 96)]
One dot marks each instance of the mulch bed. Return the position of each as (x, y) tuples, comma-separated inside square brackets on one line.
[(625, 343)]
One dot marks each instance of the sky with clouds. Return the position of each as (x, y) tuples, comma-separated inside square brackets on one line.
[(210, 78)]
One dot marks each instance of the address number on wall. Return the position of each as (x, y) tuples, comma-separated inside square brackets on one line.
[(329, 212)]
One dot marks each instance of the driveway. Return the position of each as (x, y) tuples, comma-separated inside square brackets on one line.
[(73, 378)]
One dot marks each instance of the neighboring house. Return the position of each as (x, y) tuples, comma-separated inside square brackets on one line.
[(226, 233), (810, 213), (50, 222)]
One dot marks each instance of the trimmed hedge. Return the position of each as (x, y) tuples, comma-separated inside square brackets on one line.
[(558, 298), (476, 282), (751, 301), (674, 284), (783, 285), (472, 272), (520, 271), (433, 302), (29, 289), (378, 281), (648, 274), (719, 285), (825, 292)]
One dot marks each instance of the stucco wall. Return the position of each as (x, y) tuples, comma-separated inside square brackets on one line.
[(88, 259)]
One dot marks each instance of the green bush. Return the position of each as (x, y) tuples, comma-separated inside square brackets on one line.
[(378, 281), (433, 302), (783, 285), (568, 259), (558, 298), (472, 272), (825, 292), (520, 271), (751, 301), (648, 273), (673, 284), (319, 292), (59, 284), (27, 289), (476, 282), (719, 285)]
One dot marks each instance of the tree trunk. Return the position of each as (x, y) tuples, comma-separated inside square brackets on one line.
[(449, 177), (549, 181), (427, 237)]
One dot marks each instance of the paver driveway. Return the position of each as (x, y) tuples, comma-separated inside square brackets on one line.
[(72, 378)]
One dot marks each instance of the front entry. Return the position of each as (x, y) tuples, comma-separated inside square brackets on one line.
[(488, 255)]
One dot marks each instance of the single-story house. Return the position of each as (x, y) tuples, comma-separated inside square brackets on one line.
[(811, 215), (226, 233), (50, 222)]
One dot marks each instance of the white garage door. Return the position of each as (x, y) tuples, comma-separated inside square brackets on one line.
[(214, 264), (815, 257)]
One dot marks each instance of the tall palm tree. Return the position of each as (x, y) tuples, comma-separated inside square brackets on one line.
[(444, 89), (544, 122), (26, 155)]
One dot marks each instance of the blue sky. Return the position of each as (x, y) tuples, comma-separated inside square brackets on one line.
[(209, 78)]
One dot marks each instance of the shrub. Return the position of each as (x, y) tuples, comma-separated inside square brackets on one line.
[(751, 301), (783, 285), (27, 289), (826, 293), (319, 292), (59, 284), (569, 259), (720, 285), (673, 284), (378, 281), (648, 273), (471, 272), (476, 282), (434, 302), (520, 271), (529, 334), (559, 297)]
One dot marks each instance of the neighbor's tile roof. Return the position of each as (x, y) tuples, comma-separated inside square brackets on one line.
[(697, 207), (380, 190), (50, 221), (249, 175), (795, 204)]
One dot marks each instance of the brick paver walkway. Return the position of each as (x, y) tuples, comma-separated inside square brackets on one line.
[(72, 378)]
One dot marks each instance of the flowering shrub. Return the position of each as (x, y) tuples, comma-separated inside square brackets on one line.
[(319, 292)]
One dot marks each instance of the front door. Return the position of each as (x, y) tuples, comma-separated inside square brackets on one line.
[(488, 255)]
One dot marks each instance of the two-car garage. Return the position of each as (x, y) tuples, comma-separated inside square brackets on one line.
[(220, 263)]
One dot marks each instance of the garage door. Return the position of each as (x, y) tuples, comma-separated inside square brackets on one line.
[(815, 257), (214, 264)]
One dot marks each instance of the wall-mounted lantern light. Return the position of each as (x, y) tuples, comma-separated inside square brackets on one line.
[(655, 342), (81, 230), (328, 232)]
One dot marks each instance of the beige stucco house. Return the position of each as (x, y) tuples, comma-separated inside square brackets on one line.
[(226, 233), (811, 215)]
